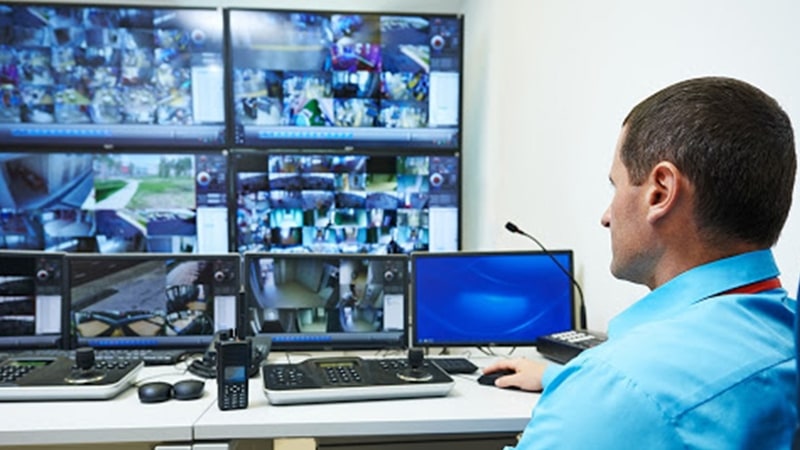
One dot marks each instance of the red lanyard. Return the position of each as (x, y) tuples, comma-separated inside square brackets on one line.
[(758, 286)]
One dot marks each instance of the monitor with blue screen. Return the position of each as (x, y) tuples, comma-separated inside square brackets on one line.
[(482, 299)]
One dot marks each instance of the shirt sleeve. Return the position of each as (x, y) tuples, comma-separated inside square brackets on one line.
[(550, 373), (572, 413)]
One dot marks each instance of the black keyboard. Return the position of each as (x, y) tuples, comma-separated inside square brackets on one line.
[(150, 357), (455, 365)]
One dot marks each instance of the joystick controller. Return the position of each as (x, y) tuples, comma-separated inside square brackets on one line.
[(415, 371), (84, 371)]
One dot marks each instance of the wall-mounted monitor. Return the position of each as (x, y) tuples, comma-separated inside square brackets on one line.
[(326, 302), (32, 300), (101, 76), (345, 203), (114, 202), (151, 301), (484, 299), (313, 79)]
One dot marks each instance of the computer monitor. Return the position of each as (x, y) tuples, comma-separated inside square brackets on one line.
[(326, 302), (492, 298), (114, 202), (152, 300), (96, 76), (346, 203), (32, 300), (344, 80)]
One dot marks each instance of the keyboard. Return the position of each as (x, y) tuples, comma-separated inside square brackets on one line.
[(24, 377), (455, 365), (150, 357), (351, 378)]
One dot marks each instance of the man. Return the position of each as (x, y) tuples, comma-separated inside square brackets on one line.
[(703, 176)]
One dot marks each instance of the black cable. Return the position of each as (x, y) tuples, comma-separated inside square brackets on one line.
[(581, 305)]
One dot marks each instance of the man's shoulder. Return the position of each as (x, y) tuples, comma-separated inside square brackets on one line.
[(698, 354)]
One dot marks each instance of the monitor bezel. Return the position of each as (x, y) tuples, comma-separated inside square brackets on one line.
[(91, 241), (336, 143), (247, 158), (194, 342), (414, 338), (89, 136), (61, 339), (326, 341)]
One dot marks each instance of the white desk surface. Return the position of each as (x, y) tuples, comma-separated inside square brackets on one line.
[(122, 419), (469, 408)]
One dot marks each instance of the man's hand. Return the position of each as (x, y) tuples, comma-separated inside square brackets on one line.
[(527, 374)]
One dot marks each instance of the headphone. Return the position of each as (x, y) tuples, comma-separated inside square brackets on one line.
[(161, 391)]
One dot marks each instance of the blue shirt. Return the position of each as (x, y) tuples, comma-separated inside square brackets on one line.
[(684, 368)]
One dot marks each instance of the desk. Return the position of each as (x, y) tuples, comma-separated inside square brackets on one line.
[(120, 420), (470, 409)]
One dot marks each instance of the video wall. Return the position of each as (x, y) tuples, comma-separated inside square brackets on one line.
[(130, 128)]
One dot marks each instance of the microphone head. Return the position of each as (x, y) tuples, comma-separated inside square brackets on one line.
[(511, 227)]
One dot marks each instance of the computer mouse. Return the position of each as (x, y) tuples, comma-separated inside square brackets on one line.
[(488, 378), (188, 389), (155, 392)]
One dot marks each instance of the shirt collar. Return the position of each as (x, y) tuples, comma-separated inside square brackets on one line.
[(694, 285)]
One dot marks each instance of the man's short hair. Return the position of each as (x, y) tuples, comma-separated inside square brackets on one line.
[(734, 143)]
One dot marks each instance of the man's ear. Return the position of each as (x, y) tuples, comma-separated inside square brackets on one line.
[(664, 190)]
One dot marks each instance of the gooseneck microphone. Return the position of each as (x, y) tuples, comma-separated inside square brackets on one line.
[(510, 226)]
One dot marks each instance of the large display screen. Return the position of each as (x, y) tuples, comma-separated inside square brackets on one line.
[(308, 79), (149, 301), (322, 301), (100, 76), (346, 203), (484, 299), (114, 202), (32, 300)]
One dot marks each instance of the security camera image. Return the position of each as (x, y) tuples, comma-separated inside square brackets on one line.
[(17, 305), (76, 74), (139, 297), (30, 299), (368, 79), (45, 194), (332, 203), (312, 295), (111, 202)]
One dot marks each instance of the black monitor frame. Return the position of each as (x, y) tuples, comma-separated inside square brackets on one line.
[(462, 275), (45, 272), (102, 76), (284, 324), (345, 98), (51, 202), (173, 316), (443, 180)]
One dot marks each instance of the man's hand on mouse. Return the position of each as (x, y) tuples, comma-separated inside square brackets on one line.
[(527, 374)]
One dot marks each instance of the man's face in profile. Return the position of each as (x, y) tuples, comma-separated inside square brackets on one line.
[(625, 218)]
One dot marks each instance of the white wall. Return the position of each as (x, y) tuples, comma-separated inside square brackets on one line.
[(548, 84)]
